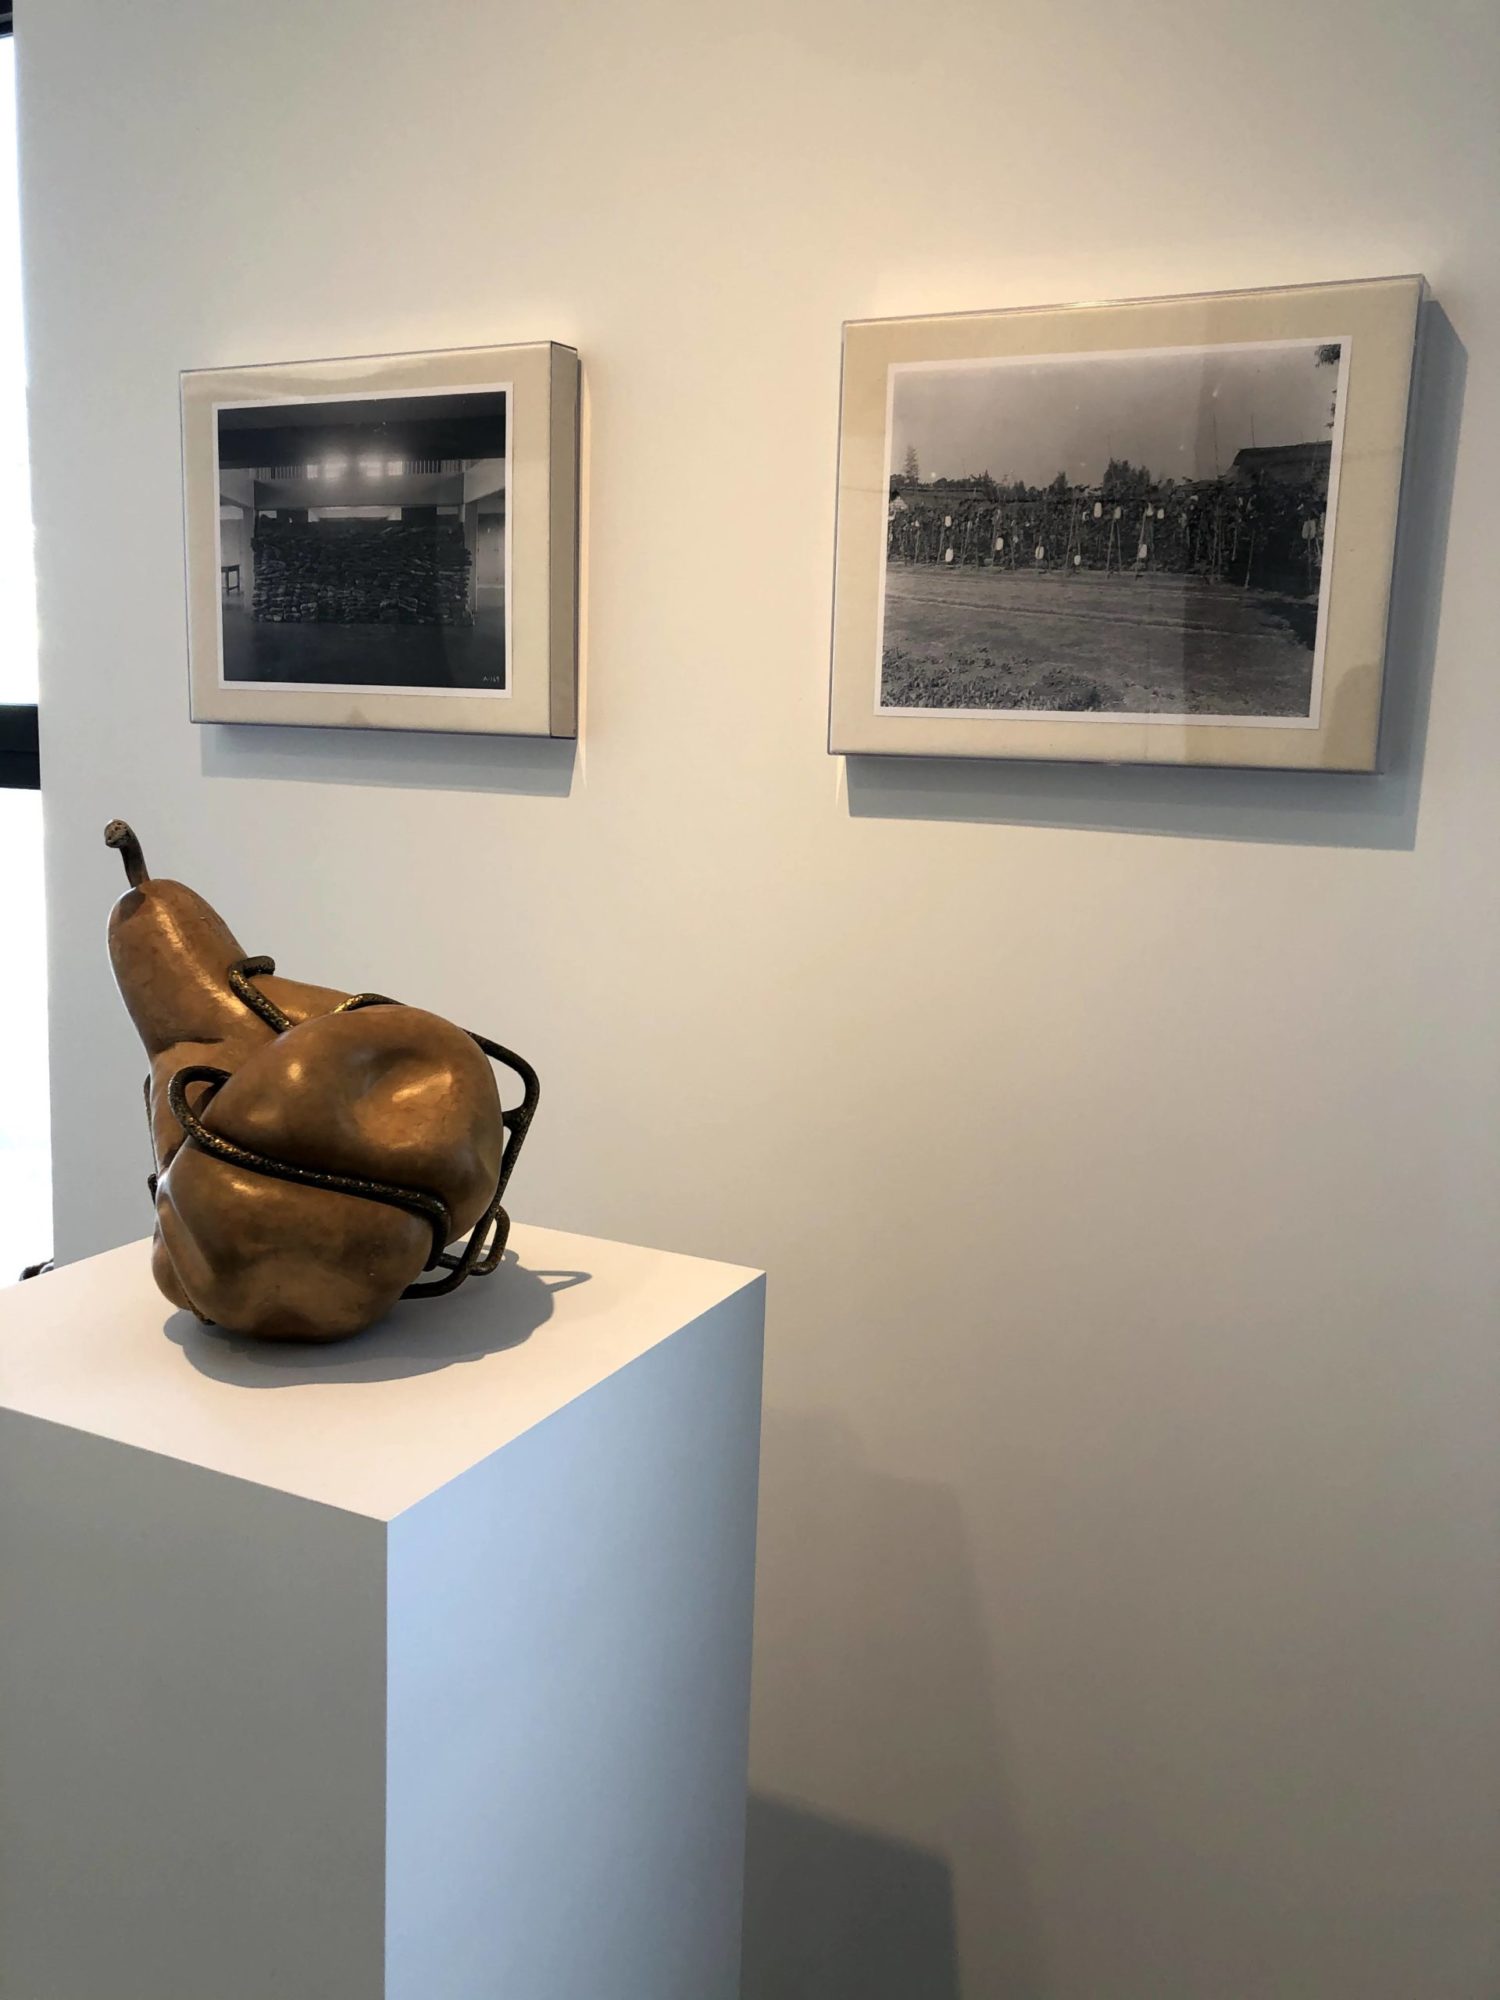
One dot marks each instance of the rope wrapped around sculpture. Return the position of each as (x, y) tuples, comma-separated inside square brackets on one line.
[(486, 1242)]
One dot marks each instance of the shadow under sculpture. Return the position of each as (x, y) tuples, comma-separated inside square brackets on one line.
[(315, 1152)]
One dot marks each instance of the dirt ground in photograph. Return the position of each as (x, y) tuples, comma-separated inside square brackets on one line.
[(1119, 644)]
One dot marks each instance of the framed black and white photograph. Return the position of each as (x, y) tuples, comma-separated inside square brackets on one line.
[(386, 542), (1153, 532)]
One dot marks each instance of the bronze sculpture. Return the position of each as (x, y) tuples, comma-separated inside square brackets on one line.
[(315, 1151)]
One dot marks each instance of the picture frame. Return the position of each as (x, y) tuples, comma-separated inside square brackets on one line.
[(1159, 531), (385, 541)]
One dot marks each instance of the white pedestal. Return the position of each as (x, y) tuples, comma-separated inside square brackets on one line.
[(415, 1668)]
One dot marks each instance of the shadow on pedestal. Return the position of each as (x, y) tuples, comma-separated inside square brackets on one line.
[(483, 1317), (835, 1913)]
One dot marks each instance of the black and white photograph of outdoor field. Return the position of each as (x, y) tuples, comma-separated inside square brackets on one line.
[(363, 543), (1138, 534)]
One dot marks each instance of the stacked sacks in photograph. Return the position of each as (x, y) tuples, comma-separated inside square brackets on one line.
[(354, 572)]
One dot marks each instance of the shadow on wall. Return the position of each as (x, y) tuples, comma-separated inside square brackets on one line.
[(1296, 808), (535, 766), (835, 1913), (881, 1697)]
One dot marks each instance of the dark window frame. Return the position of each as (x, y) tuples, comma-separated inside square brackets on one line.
[(20, 760)]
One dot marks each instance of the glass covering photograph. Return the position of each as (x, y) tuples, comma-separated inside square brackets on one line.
[(1136, 534), (363, 542)]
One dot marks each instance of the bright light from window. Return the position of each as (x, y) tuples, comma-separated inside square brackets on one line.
[(25, 1161), (370, 467), (393, 466), (334, 468), (17, 584), (313, 471)]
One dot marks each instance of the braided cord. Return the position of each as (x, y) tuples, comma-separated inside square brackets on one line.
[(433, 1211), (485, 1247)]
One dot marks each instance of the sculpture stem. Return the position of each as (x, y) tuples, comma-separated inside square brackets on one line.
[(121, 835)]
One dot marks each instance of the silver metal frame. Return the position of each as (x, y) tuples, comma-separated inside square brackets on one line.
[(1379, 319), (541, 696)]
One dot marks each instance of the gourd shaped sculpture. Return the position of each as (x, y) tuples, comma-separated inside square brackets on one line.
[(315, 1152)]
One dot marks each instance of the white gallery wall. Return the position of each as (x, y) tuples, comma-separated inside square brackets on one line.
[(1122, 1146)]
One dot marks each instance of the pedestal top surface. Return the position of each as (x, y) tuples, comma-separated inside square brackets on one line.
[(370, 1425)]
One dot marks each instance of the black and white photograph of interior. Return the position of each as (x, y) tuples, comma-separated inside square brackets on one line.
[(363, 543), (1139, 533)]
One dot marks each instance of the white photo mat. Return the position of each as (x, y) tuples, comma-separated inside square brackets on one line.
[(505, 389)]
